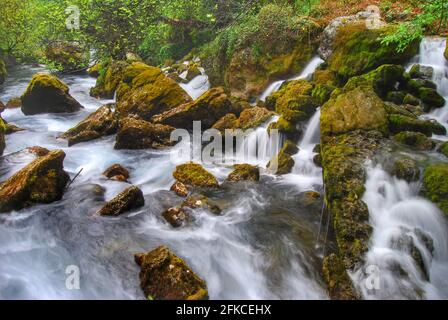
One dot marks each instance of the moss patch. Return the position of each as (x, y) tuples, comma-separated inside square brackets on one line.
[(435, 183), (195, 175)]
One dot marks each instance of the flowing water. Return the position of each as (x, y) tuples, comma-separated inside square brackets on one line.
[(262, 246)]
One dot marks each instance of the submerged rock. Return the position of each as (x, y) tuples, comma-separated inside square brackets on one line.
[(130, 199), (176, 217), (244, 172), (47, 94), (193, 174), (199, 201), (406, 169), (435, 185), (139, 134), (42, 181), (415, 140), (102, 122), (164, 276), (116, 172)]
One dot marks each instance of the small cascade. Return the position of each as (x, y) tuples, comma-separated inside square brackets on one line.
[(408, 251), (197, 86)]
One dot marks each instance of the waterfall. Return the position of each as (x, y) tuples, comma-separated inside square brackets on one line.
[(405, 226), (197, 86)]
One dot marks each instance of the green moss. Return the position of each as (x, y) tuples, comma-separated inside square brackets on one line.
[(435, 183), (244, 172), (284, 126), (398, 123), (443, 149), (415, 140), (195, 175), (283, 162), (431, 98), (406, 169), (110, 76), (322, 93), (253, 117), (338, 282)]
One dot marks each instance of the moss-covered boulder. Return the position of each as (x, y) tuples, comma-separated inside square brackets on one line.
[(192, 72), (359, 108), (421, 72), (244, 172), (287, 128), (193, 174), (42, 181), (406, 169), (128, 200), (100, 123), (47, 94), (283, 162), (431, 98), (67, 56), (110, 75), (399, 123), (209, 108), (147, 91), (226, 122), (443, 149), (358, 49), (14, 103), (116, 172), (435, 184), (94, 71), (3, 72), (252, 118), (415, 140), (135, 133), (165, 276), (339, 285)]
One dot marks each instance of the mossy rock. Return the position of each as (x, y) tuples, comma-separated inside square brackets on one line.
[(13, 103), (193, 174), (192, 72), (435, 184), (109, 78), (431, 98), (404, 110), (359, 108), (226, 123), (289, 129), (67, 56), (283, 162), (3, 72), (411, 100), (100, 123), (396, 97), (128, 200), (446, 51), (339, 284), (421, 72), (406, 169), (415, 140), (47, 94), (165, 276), (116, 172), (252, 118), (443, 149), (2, 136), (399, 123), (42, 181), (244, 172), (208, 108), (94, 71), (134, 133), (322, 93), (358, 50)]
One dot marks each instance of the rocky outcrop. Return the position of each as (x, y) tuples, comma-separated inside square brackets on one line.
[(47, 94), (244, 172), (146, 91), (128, 200), (101, 123), (109, 78), (435, 185), (164, 276), (117, 172), (42, 181), (194, 175), (67, 56), (209, 108), (134, 133)]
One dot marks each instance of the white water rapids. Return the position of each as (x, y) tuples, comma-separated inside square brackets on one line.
[(262, 247)]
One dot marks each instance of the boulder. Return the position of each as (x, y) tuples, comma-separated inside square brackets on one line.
[(164, 276), (130, 199), (415, 140), (67, 56), (338, 282), (226, 122), (146, 91), (192, 72), (109, 77), (193, 174), (399, 123), (42, 181), (134, 133), (94, 71), (47, 94), (435, 185), (199, 201), (180, 189), (359, 108), (13, 103), (406, 169), (244, 172), (253, 118), (209, 108), (421, 72), (101, 123), (283, 162), (176, 217), (116, 172)]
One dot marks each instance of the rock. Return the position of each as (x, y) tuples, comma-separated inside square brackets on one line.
[(133, 57), (209, 108), (116, 172), (193, 174), (102, 122), (226, 122), (176, 217), (42, 181), (94, 71), (200, 201), (358, 50), (192, 72), (406, 169), (146, 91), (47, 94), (13, 103), (252, 118), (443, 149), (283, 162), (130, 199), (11, 128), (2, 107), (38, 151), (67, 56), (421, 72), (410, 99), (446, 52), (399, 123), (2, 136), (396, 97), (244, 172), (180, 189), (359, 108), (415, 140), (339, 284), (435, 184), (109, 77), (164, 276), (289, 129), (3, 72), (431, 98), (322, 93), (139, 134), (317, 160)]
